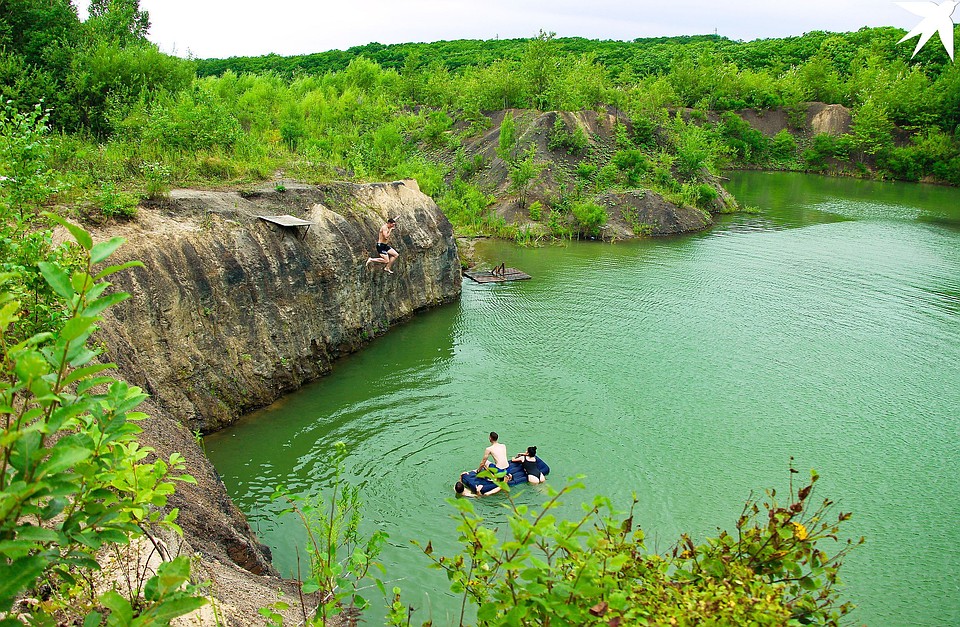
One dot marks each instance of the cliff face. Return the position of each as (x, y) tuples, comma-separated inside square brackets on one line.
[(230, 312)]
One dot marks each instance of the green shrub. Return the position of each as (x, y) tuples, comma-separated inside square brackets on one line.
[(116, 203), (74, 479), (595, 570), (783, 146), (589, 216), (644, 132), (573, 143), (467, 207), (703, 195), (536, 210), (632, 164), (586, 171), (342, 561), (435, 128), (195, 120), (748, 144), (156, 178), (429, 175)]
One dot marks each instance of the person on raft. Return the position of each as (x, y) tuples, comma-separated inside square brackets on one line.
[(528, 460), (498, 451), (387, 253), (461, 489)]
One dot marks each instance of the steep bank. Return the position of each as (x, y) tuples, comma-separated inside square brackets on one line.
[(229, 313)]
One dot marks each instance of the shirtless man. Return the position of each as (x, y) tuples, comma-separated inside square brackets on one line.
[(388, 255), (498, 452)]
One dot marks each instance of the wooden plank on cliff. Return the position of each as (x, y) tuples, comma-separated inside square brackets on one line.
[(288, 222), (497, 275)]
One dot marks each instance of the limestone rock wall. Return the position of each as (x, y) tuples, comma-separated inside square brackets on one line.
[(229, 312)]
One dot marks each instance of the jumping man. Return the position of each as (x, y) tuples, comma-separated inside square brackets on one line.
[(388, 255)]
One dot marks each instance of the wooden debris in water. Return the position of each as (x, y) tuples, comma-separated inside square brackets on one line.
[(497, 275)]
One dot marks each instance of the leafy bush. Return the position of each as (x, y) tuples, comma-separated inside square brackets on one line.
[(702, 195), (341, 559), (589, 216), (561, 139), (195, 120), (466, 206), (595, 570), (632, 163), (25, 177), (748, 144), (429, 176), (157, 180), (116, 203), (536, 210), (783, 146), (825, 147), (74, 479)]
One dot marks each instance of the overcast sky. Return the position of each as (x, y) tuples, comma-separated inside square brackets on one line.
[(224, 28)]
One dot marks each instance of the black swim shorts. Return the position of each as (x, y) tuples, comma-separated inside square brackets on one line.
[(383, 248)]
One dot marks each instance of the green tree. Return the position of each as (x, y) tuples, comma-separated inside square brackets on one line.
[(118, 21), (523, 171), (507, 141), (871, 128), (539, 66)]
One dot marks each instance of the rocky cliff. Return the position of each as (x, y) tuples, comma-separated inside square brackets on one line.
[(229, 312)]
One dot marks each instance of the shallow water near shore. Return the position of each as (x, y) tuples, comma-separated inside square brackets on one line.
[(687, 370)]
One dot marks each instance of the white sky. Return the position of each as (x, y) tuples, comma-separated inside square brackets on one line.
[(224, 28)]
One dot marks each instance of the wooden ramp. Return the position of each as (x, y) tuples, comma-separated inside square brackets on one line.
[(497, 275), (288, 222)]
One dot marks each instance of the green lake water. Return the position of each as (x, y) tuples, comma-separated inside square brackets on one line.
[(687, 370)]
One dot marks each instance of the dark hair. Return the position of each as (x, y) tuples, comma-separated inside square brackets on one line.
[(531, 451), (458, 487), (391, 221), (494, 436)]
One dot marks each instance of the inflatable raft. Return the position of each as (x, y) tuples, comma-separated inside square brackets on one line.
[(514, 470)]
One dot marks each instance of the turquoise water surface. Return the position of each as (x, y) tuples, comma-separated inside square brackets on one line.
[(687, 370)]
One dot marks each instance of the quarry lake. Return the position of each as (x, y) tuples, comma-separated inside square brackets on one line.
[(687, 370)]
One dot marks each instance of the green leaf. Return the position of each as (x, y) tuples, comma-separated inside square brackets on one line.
[(86, 371), (83, 238), (16, 576), (61, 458), (76, 327), (170, 609), (97, 306), (121, 614), (55, 276), (9, 315), (104, 249), (37, 534), (114, 269)]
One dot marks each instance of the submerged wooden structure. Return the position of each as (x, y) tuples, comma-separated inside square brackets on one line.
[(289, 223), (497, 275)]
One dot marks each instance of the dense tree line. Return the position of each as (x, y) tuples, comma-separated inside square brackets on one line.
[(133, 121)]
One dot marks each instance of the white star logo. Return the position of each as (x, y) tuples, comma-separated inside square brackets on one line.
[(936, 18)]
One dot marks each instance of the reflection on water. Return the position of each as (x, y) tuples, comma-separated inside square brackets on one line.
[(686, 370)]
